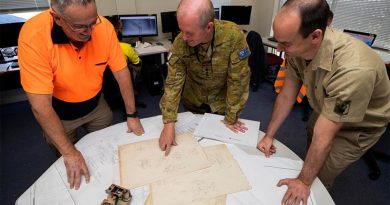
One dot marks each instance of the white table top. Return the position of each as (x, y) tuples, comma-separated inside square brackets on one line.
[(100, 152)]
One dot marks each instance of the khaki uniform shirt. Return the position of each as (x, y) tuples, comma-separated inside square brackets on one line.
[(346, 82), (218, 77)]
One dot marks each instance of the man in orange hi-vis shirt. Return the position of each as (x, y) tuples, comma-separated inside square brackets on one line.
[(63, 53)]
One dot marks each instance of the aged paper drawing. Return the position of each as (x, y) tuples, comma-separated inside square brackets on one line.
[(223, 177), (143, 162)]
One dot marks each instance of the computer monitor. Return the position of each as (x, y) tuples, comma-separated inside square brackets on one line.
[(367, 38), (10, 34), (216, 13), (240, 15), (139, 25), (169, 23)]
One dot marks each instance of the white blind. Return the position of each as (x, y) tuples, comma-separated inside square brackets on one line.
[(12, 6), (370, 16)]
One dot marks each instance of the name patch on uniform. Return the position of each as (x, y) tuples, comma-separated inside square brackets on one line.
[(243, 53), (342, 107)]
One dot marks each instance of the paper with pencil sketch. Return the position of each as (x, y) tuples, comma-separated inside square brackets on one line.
[(143, 162), (211, 127), (223, 177)]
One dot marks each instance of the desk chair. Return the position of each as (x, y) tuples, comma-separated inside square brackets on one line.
[(273, 65), (257, 60), (112, 93)]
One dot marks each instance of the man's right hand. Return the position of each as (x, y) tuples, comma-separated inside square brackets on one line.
[(75, 168), (167, 137), (266, 146)]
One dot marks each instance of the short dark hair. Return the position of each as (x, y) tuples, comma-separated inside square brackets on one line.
[(314, 14)]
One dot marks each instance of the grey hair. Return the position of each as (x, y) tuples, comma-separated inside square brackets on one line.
[(206, 12), (61, 5)]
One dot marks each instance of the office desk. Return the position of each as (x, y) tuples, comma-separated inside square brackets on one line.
[(100, 152), (269, 43), (153, 50)]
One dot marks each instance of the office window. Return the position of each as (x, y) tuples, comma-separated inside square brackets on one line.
[(14, 6), (370, 16)]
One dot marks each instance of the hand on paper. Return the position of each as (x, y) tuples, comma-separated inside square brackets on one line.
[(167, 137), (75, 168), (297, 191), (236, 127), (266, 146), (134, 125)]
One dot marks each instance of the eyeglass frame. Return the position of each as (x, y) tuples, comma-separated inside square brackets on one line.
[(82, 27)]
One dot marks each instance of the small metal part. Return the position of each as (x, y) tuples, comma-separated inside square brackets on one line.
[(117, 195)]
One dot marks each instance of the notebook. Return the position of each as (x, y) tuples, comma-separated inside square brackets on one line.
[(367, 38)]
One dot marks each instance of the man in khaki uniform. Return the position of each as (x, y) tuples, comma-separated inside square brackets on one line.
[(347, 87), (208, 69)]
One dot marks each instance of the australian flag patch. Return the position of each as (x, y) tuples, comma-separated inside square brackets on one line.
[(243, 53)]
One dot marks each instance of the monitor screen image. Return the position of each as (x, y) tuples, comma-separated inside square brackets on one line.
[(139, 25), (240, 15), (367, 38), (169, 22), (10, 34)]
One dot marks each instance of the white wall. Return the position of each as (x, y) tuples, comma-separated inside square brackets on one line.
[(261, 16)]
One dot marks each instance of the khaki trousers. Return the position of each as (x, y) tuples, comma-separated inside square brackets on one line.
[(99, 118), (348, 146)]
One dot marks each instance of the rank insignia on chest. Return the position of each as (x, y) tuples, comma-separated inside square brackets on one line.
[(342, 107), (243, 53)]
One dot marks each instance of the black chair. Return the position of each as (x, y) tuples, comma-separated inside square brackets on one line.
[(112, 93), (257, 60)]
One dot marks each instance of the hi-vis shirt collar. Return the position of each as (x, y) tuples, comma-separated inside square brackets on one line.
[(324, 57)]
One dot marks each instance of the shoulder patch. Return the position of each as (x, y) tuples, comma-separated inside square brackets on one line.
[(243, 53), (341, 107)]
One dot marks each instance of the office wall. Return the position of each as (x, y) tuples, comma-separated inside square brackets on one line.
[(261, 16)]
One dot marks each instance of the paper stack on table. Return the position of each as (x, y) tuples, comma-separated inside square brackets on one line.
[(212, 127), (189, 175)]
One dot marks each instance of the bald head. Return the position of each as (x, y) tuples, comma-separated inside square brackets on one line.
[(204, 9), (312, 14)]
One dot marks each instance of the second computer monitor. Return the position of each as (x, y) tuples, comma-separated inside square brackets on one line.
[(238, 14), (169, 22), (139, 25)]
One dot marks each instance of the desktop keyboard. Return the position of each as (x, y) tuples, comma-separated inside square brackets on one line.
[(15, 64)]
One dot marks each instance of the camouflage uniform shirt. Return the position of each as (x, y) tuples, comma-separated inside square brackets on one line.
[(218, 77)]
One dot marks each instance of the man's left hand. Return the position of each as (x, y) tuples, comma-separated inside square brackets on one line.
[(236, 127), (134, 125), (297, 191)]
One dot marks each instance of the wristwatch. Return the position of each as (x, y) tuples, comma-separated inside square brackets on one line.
[(132, 115)]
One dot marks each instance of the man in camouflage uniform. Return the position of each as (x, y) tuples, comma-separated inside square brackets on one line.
[(208, 69)]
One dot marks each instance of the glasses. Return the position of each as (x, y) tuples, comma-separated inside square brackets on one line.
[(80, 27)]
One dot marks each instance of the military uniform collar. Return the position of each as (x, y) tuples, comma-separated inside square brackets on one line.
[(324, 57)]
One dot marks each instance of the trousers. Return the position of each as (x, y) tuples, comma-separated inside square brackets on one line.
[(348, 146)]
